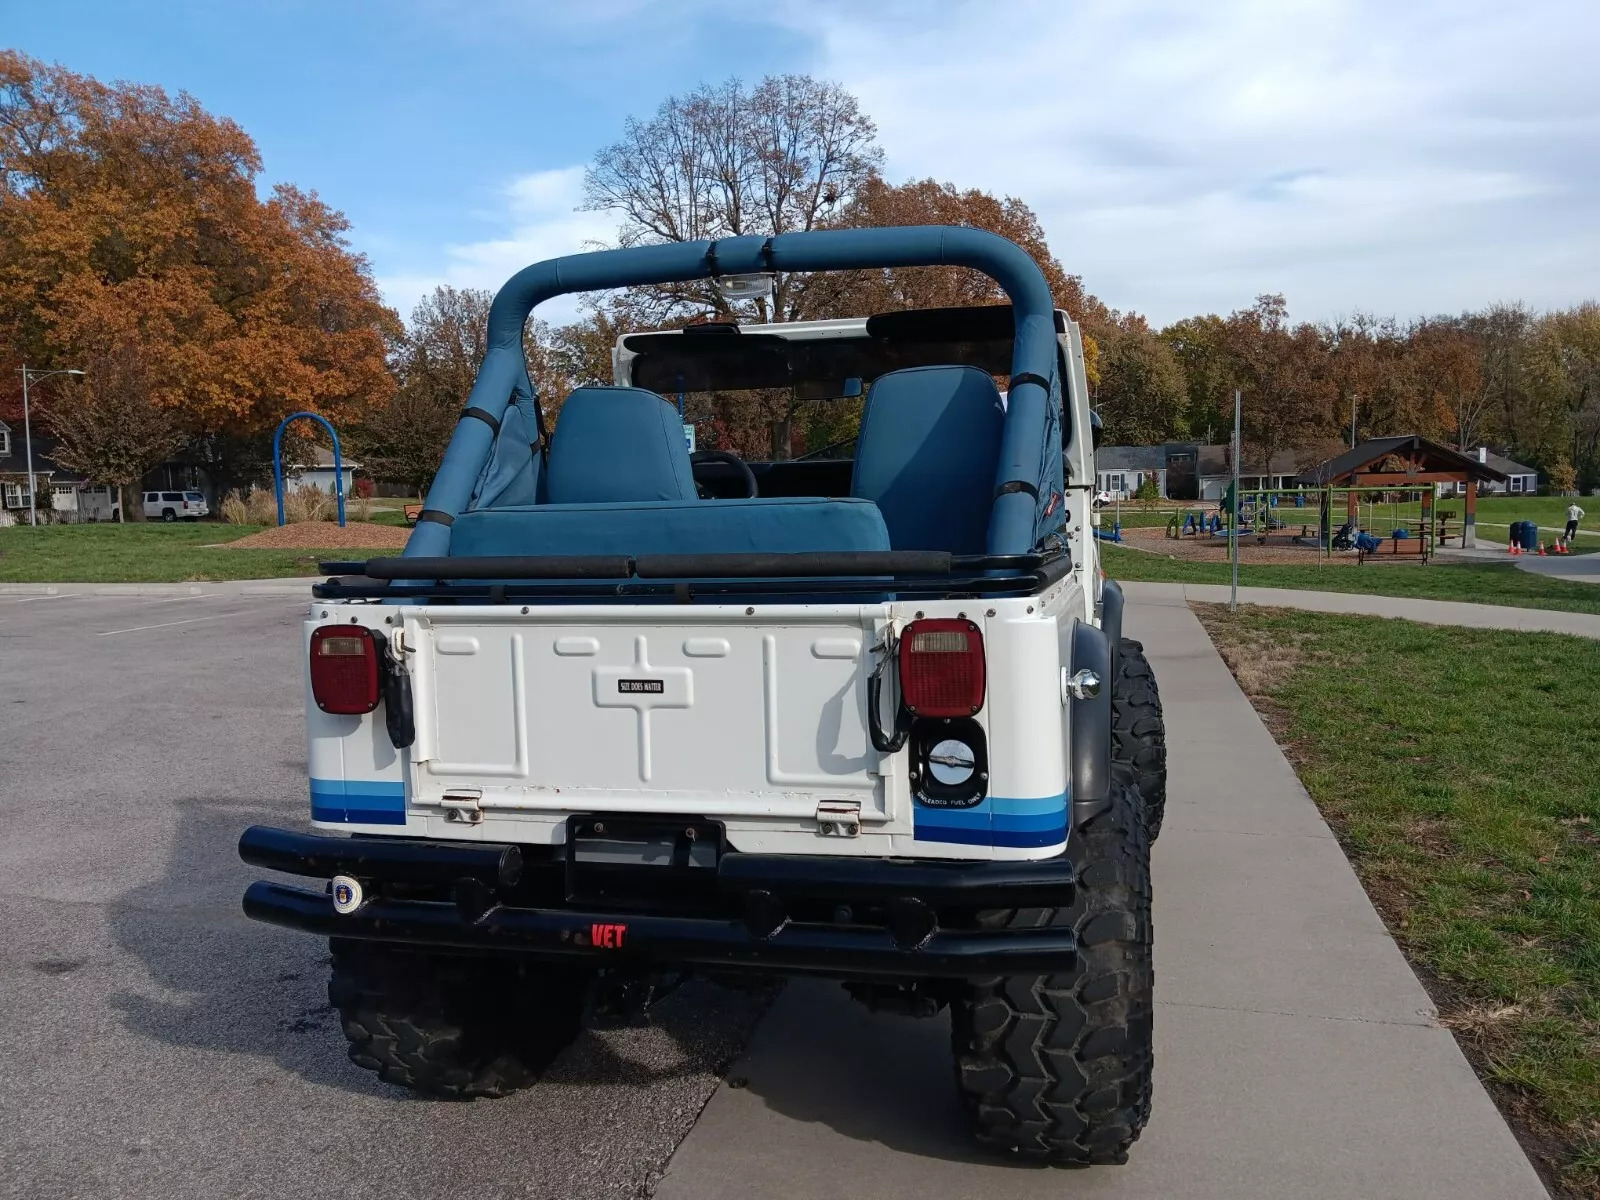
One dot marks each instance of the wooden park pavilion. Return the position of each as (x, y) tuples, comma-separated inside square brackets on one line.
[(1410, 462)]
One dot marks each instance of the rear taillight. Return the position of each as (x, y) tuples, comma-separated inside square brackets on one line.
[(941, 667), (344, 669)]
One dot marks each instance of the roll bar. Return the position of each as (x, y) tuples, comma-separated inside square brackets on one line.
[(504, 372)]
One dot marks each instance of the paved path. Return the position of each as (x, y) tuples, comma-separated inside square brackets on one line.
[(1297, 1055), (1429, 612)]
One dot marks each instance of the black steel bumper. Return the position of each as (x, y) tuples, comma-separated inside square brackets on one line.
[(857, 918)]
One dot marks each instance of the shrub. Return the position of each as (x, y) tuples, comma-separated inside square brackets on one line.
[(365, 488), (235, 510), (1148, 489), (308, 503)]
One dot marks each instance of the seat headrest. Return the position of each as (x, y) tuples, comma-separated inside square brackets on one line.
[(617, 444), (928, 454)]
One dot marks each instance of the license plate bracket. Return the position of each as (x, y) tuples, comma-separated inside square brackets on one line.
[(612, 860)]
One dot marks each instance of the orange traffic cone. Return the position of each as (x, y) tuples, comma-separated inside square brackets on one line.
[(1541, 549)]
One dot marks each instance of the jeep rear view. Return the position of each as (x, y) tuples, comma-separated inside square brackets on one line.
[(622, 711)]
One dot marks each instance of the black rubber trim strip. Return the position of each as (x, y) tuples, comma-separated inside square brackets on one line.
[(484, 415), (1028, 377), (596, 566), (1016, 485), (437, 516), (793, 566)]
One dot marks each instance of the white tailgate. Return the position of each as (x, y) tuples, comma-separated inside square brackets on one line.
[(759, 719)]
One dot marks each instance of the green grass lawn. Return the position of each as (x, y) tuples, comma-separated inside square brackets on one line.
[(144, 552), (1458, 767), (1476, 583)]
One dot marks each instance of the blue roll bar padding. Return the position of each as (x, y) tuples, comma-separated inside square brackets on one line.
[(1022, 449)]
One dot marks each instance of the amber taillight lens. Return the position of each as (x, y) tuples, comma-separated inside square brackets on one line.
[(942, 667), (344, 669)]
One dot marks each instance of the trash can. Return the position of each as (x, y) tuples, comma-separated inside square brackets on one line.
[(1530, 535), (1514, 534)]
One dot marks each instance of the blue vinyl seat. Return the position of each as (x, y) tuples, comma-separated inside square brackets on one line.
[(776, 525), (618, 444), (928, 454)]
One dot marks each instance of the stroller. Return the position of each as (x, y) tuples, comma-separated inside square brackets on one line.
[(1344, 537)]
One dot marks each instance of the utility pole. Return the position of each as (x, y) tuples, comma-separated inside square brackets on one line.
[(27, 436), (1352, 421), (1233, 539)]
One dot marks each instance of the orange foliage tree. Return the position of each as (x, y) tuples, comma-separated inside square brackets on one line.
[(133, 244)]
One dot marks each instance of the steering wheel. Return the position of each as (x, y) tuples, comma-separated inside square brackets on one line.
[(728, 458)]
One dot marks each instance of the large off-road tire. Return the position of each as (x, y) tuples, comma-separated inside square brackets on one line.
[(1139, 733), (453, 1026), (1056, 1068)]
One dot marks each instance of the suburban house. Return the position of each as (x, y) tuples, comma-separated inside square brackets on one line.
[(1122, 470), (1519, 479), (72, 496), (1186, 471), (319, 472)]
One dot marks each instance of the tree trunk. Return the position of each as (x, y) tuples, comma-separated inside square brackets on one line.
[(782, 440), (132, 506)]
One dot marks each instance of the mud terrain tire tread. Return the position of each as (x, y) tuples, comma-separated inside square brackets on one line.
[(1139, 732), (451, 1026), (1057, 1068)]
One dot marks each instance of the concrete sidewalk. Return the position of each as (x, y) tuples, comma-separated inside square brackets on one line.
[(1297, 1055), (1429, 612)]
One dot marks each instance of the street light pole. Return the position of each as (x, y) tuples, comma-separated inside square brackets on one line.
[(27, 436), (27, 439)]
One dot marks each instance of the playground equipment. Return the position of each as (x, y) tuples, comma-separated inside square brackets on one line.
[(1264, 512), (277, 461)]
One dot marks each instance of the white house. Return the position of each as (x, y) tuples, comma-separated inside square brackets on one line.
[(1120, 470), (1186, 471), (72, 496), (320, 472), (1520, 479)]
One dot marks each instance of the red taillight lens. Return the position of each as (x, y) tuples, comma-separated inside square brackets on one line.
[(344, 669), (941, 667)]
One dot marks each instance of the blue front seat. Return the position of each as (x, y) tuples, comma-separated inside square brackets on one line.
[(617, 445), (928, 454)]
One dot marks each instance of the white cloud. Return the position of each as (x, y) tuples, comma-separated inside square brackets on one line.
[(1413, 157), (539, 215)]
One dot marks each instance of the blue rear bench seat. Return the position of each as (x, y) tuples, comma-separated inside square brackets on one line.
[(773, 525)]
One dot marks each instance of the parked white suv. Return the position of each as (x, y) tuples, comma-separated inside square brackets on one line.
[(169, 506)]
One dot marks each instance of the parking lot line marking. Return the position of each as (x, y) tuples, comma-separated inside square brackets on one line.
[(187, 621)]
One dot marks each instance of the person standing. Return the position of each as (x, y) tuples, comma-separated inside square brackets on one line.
[(1574, 515)]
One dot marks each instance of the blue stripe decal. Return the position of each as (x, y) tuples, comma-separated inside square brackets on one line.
[(996, 821), (358, 801)]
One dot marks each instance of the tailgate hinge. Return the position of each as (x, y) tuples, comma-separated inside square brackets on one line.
[(839, 818), (462, 807)]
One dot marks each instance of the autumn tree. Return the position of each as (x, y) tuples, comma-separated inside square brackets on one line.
[(1210, 372), (927, 202), (1564, 366), (1142, 395), (729, 160), (131, 233), (1288, 395), (113, 431)]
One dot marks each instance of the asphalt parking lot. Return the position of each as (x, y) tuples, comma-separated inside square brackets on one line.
[(157, 1044)]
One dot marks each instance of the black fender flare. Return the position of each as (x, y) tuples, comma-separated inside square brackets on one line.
[(1090, 724), (1111, 603)]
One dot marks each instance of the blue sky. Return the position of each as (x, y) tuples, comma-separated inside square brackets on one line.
[(1410, 157)]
